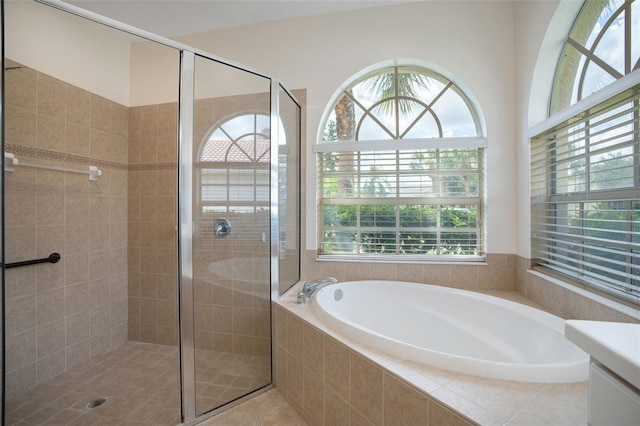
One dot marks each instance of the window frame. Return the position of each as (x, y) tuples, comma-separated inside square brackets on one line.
[(594, 276), (395, 145), (253, 166)]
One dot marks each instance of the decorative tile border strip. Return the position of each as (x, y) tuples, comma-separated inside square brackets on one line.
[(45, 154), (146, 167)]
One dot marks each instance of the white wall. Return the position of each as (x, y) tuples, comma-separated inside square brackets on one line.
[(472, 40), (69, 48)]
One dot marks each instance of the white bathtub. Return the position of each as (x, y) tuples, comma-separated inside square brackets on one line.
[(452, 329)]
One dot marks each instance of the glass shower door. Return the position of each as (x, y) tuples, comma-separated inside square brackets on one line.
[(231, 233)]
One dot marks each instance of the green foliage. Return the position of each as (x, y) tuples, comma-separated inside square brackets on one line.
[(330, 133), (401, 84), (417, 232)]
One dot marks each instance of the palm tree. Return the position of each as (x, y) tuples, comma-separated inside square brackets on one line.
[(389, 92), (346, 131)]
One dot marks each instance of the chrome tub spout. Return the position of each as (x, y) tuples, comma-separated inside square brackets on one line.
[(310, 287)]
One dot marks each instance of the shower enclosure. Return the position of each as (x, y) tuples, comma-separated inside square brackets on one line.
[(171, 246)]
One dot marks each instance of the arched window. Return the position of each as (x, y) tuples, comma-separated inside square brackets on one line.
[(233, 169), (401, 169), (586, 157), (602, 47)]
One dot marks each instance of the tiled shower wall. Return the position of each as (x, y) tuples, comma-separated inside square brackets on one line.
[(152, 263), (61, 314)]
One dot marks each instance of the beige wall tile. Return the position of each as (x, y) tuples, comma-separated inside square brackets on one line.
[(77, 298), (99, 236), (119, 290), (313, 399), (78, 105), (100, 318), (49, 239), (222, 319), (51, 134), (20, 209), (167, 149), (100, 145), (19, 282), (50, 276), (222, 342), (20, 243), (118, 235), (338, 367), (313, 350), (119, 120), (21, 127), (100, 292), (242, 344), (403, 404), (78, 353), (439, 415), (366, 388), (295, 337), (51, 97), (50, 366), (295, 383), (336, 409), (148, 311), (50, 306), (148, 184), (149, 149), (50, 181), (77, 240), (77, 209), (100, 343), (23, 179), (78, 141), (51, 338), (99, 264), (76, 268), (148, 333), (21, 88), (99, 209), (243, 321), (100, 113), (20, 350)]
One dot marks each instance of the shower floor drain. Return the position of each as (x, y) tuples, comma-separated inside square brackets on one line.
[(96, 402)]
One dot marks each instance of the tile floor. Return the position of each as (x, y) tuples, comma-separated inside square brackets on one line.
[(141, 385)]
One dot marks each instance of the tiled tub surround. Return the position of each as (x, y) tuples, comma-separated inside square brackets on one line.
[(330, 379)]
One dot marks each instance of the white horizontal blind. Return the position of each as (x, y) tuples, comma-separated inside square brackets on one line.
[(586, 196), (425, 202)]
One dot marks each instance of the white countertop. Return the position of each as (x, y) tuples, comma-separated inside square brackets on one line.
[(613, 344)]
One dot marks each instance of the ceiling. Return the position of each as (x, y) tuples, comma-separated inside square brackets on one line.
[(172, 18)]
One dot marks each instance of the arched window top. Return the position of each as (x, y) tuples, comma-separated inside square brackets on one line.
[(603, 46), (401, 102), (240, 139)]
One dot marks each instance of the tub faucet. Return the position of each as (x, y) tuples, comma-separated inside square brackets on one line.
[(309, 288)]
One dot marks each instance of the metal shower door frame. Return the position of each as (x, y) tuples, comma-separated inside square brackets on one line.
[(185, 186)]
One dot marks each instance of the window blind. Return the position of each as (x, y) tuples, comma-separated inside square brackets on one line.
[(401, 202), (585, 188)]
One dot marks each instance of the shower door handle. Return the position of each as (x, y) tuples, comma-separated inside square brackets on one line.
[(221, 228)]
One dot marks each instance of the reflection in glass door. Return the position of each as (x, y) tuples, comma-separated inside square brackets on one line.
[(231, 233)]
